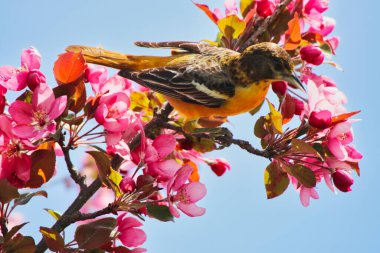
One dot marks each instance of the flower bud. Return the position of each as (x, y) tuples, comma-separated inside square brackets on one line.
[(219, 166), (265, 8), (300, 106), (35, 78), (312, 54), (321, 119), (279, 87), (342, 180), (127, 185)]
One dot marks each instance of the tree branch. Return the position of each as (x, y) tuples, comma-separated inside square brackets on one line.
[(265, 24), (87, 192), (74, 173), (3, 225)]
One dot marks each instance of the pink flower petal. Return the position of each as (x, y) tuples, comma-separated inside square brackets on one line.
[(191, 210), (58, 107), (305, 196), (24, 131), (165, 169), (337, 149), (181, 177), (132, 237), (164, 144), (31, 58), (43, 98), (193, 191), (21, 112), (174, 211)]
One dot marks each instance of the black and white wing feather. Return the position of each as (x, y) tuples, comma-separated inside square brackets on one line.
[(197, 84)]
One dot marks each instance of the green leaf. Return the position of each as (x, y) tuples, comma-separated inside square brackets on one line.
[(56, 215), (303, 174), (53, 239), (8, 192), (26, 197), (276, 180), (160, 212), (43, 167), (95, 234), (20, 244)]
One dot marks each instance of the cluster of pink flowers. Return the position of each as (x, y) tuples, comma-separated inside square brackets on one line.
[(29, 119)]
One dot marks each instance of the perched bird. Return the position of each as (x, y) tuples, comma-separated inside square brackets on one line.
[(201, 80)]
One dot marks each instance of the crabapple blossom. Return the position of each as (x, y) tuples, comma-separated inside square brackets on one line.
[(16, 79), (128, 233), (342, 180), (36, 120), (186, 195)]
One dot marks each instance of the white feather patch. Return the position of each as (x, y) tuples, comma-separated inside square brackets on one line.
[(211, 93)]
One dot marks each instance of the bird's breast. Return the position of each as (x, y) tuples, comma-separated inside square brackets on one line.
[(245, 99)]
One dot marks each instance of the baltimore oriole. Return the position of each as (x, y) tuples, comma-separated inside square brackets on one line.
[(201, 80)]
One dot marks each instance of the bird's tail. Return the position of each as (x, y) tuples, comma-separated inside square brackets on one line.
[(117, 60)]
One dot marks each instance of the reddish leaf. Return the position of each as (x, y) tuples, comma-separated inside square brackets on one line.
[(288, 109), (69, 67), (78, 97), (343, 117), (8, 192), (303, 174), (52, 238), (293, 34), (20, 244), (95, 234), (276, 180), (355, 166), (43, 167), (208, 12)]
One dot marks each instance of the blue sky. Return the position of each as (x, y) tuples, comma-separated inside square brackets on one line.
[(238, 218)]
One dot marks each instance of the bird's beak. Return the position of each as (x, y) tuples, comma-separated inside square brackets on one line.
[(293, 79)]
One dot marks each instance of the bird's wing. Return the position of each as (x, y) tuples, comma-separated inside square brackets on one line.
[(202, 83), (188, 46)]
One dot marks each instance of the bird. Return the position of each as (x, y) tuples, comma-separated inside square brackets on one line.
[(202, 80)]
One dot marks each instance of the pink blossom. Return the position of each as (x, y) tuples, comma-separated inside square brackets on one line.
[(13, 78), (265, 8), (128, 233), (343, 180), (318, 5), (325, 27), (306, 194), (186, 195), (154, 154), (338, 139), (113, 112), (312, 54), (219, 166), (334, 43), (15, 160), (101, 84), (36, 120), (231, 8)]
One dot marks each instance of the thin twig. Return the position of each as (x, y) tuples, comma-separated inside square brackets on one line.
[(74, 173), (265, 24)]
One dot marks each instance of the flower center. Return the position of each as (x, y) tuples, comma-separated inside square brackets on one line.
[(40, 118), (113, 113)]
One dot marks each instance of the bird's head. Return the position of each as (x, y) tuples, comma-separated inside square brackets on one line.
[(269, 61)]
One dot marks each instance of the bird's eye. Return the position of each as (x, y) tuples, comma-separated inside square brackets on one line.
[(278, 66)]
